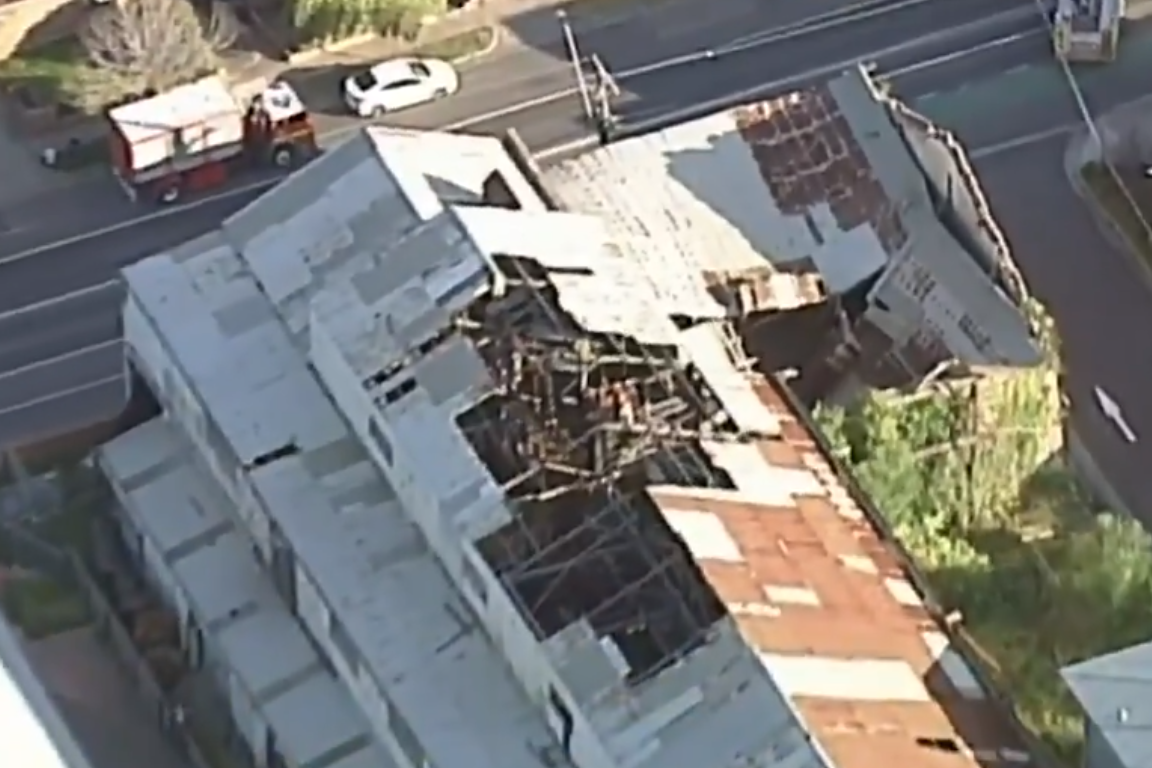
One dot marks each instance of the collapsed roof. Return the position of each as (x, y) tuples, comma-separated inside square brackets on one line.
[(658, 514)]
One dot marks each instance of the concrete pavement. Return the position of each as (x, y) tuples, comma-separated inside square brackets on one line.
[(526, 89)]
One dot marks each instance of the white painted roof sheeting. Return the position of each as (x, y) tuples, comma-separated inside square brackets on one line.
[(686, 200), (35, 734), (351, 537), (181, 511), (1115, 692), (604, 291)]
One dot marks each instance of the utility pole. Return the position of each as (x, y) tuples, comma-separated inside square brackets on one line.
[(577, 65)]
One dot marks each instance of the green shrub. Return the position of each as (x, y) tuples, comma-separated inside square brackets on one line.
[(325, 20)]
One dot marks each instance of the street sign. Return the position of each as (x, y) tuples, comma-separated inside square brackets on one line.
[(1111, 410)]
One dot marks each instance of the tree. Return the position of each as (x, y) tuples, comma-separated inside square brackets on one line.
[(141, 47), (965, 474)]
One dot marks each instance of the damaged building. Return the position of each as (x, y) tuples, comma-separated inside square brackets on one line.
[(851, 229), (518, 496)]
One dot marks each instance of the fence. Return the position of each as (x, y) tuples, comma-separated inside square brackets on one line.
[(24, 549)]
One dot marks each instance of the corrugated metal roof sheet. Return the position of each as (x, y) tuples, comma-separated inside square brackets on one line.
[(826, 604), (771, 204)]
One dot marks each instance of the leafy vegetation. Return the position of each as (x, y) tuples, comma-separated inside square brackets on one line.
[(968, 479), (137, 47), (45, 68), (458, 46), (41, 607), (318, 21)]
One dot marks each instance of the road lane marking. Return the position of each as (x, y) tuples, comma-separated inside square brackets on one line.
[(1060, 131), (767, 37), (61, 358), (975, 154), (803, 28), (1112, 411), (62, 298), (857, 12), (952, 56), (721, 102), (60, 394)]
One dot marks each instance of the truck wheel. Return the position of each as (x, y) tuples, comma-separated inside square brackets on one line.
[(170, 194), (282, 157)]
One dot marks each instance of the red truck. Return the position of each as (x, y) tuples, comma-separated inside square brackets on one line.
[(199, 135)]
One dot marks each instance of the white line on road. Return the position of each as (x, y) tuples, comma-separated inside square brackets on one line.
[(60, 394), (858, 12), (1113, 413), (63, 298), (1060, 131), (668, 118), (767, 37), (50, 361), (954, 55), (841, 17)]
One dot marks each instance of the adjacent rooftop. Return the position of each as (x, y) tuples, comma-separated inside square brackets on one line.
[(1115, 692)]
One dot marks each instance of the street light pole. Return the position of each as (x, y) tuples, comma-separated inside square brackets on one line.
[(574, 57)]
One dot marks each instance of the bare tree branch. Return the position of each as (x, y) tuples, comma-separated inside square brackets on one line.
[(139, 47)]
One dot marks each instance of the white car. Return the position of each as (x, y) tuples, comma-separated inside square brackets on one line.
[(399, 83)]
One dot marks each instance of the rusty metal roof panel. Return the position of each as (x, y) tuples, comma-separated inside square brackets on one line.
[(825, 603)]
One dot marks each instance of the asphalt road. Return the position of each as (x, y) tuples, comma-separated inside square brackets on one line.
[(59, 355), (1098, 295), (1100, 300)]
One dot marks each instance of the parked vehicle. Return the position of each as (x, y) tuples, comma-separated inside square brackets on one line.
[(199, 135), (399, 83)]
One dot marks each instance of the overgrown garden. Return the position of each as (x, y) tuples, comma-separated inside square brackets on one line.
[(972, 478)]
